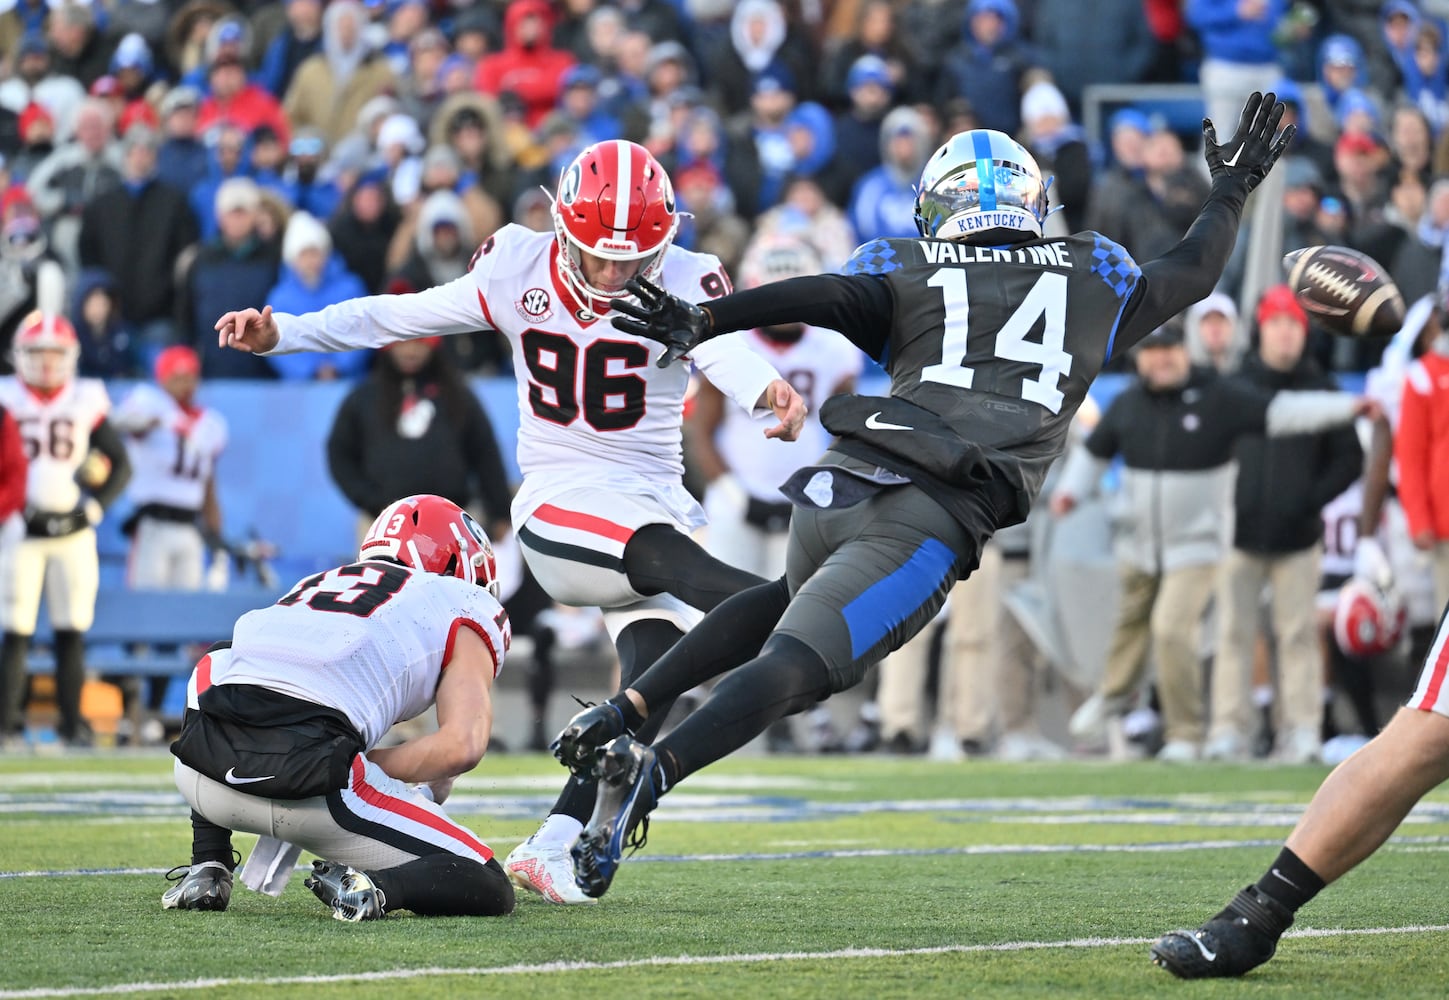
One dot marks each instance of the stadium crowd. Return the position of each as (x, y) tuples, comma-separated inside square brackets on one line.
[(182, 160)]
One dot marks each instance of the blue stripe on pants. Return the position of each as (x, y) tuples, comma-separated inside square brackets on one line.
[(890, 601)]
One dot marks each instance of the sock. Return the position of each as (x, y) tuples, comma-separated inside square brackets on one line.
[(70, 676), (632, 719), (444, 885), (666, 771), (210, 842), (561, 826), (1289, 881), (12, 682), (730, 635)]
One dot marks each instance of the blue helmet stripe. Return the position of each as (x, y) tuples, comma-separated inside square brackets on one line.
[(985, 170)]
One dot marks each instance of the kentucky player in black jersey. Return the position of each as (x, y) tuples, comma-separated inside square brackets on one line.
[(992, 335)]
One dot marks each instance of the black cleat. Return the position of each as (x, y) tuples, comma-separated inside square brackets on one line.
[(625, 798), (351, 893), (1240, 938), (206, 886), (577, 746)]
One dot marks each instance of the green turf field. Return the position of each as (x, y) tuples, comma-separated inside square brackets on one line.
[(763, 877)]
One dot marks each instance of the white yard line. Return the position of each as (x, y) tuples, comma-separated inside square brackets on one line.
[(549, 968)]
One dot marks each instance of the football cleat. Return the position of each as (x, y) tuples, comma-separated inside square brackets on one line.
[(625, 798), (1240, 938), (206, 886), (547, 869), (577, 745), (351, 893)]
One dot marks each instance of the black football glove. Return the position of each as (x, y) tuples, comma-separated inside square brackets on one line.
[(1253, 150), (662, 317)]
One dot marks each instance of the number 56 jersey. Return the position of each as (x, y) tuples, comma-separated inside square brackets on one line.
[(595, 410), (56, 430)]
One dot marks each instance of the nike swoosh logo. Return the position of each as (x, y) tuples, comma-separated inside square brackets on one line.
[(1284, 878), (1234, 161), (1211, 956), (875, 423), (232, 779)]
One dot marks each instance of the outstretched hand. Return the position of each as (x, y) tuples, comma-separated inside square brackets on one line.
[(662, 317), (1254, 147), (248, 330)]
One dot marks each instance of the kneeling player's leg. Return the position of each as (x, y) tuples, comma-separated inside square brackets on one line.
[(660, 559)]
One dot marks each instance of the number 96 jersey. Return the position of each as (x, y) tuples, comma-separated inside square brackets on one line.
[(56, 430)]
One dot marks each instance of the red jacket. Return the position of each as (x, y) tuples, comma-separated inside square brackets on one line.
[(14, 467), (252, 106), (533, 74), (1422, 446)]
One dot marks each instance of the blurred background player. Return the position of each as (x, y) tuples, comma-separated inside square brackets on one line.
[(61, 419), (174, 444), (749, 517), (283, 722)]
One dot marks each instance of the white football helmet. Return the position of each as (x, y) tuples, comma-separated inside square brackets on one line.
[(980, 181), (775, 258), (46, 351)]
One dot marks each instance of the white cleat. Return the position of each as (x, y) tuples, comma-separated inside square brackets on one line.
[(548, 870)]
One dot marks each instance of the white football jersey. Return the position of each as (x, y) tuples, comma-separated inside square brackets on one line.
[(815, 365), (370, 640), (595, 409), (56, 430), (173, 449)]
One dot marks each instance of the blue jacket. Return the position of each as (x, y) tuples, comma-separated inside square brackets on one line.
[(223, 279), (989, 76), (292, 296), (883, 207), (283, 57), (183, 163), (1227, 37)]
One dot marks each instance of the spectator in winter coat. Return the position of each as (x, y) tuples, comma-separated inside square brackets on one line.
[(183, 160), (857, 129), (1238, 52), (312, 278), (292, 46), (1212, 335), (237, 265), (883, 203), (33, 80), (104, 341), (226, 159), (987, 65), (136, 232), (330, 88), (529, 66), (364, 228), (1060, 149), (761, 42), (1106, 41), (233, 99)]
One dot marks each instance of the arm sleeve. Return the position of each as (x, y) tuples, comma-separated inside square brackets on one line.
[(1105, 441), (454, 307), (1411, 450), (1188, 272), (859, 306), (1309, 412), (13, 467), (736, 371), (1081, 473), (106, 441)]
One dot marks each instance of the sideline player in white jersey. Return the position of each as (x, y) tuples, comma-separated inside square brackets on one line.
[(748, 515), (602, 515), (61, 418), (283, 721), (174, 446)]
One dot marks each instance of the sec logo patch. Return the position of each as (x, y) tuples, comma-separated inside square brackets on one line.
[(535, 306)]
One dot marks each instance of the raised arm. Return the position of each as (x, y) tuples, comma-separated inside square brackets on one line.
[(1189, 271), (373, 321)]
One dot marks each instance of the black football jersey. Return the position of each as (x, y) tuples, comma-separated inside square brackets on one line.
[(1003, 343)]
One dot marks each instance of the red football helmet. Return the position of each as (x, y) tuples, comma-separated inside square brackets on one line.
[(46, 350), (434, 535), (615, 201), (1369, 619)]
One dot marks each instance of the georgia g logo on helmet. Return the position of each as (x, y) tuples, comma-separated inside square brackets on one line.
[(569, 184)]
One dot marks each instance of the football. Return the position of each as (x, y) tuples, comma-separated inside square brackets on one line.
[(1344, 291)]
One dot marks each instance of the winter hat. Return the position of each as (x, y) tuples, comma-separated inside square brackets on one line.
[(1279, 301), (304, 232)]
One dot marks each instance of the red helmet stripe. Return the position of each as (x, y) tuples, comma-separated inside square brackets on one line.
[(623, 192)]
